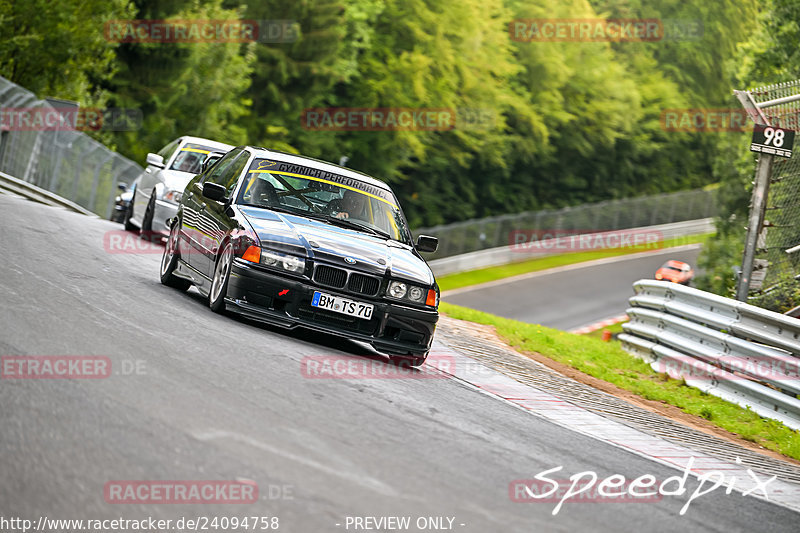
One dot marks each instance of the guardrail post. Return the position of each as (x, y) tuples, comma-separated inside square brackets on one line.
[(757, 207), (758, 203), (96, 181), (78, 169), (57, 170)]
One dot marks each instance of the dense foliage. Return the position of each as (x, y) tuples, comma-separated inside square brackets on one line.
[(565, 122)]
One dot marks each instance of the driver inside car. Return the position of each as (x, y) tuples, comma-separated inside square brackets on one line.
[(189, 163), (262, 192), (351, 205)]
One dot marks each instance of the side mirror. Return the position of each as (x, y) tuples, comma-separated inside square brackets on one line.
[(210, 159), (155, 160), (426, 243), (214, 191)]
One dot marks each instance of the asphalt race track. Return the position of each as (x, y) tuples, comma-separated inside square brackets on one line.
[(571, 297), (197, 396)]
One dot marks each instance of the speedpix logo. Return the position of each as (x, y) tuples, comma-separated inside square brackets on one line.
[(588, 487)]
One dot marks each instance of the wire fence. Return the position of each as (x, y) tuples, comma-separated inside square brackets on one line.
[(38, 145), (492, 232), (779, 289)]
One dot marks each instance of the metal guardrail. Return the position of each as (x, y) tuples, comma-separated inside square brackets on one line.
[(611, 215), (503, 255), (64, 161), (37, 194), (730, 349)]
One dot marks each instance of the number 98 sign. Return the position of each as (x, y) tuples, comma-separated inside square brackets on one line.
[(771, 140)]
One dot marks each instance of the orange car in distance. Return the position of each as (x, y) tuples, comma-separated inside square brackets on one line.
[(675, 271)]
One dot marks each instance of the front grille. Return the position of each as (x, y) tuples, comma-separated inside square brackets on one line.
[(332, 277), (361, 284), (339, 278)]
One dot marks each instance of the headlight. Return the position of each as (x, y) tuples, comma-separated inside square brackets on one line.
[(412, 293), (286, 262), (416, 294), (397, 289), (172, 195)]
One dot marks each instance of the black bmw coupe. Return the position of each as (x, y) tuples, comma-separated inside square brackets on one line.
[(295, 241)]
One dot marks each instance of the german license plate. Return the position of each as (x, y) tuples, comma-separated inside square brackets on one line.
[(342, 305)]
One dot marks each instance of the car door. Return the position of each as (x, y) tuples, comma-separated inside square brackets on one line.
[(216, 214), (201, 225)]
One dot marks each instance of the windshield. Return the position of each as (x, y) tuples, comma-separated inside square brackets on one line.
[(325, 196), (190, 158), (671, 266)]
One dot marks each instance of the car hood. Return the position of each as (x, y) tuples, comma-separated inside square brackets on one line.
[(175, 179), (331, 244)]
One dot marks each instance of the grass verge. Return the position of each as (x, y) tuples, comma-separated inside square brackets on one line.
[(473, 277), (607, 361), (598, 333)]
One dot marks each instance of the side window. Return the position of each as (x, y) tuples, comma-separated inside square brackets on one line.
[(215, 173), (168, 150), (227, 170)]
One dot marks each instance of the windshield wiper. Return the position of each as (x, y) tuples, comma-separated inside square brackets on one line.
[(280, 209), (356, 226)]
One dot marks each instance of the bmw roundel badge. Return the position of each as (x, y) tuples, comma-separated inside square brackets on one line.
[(350, 260)]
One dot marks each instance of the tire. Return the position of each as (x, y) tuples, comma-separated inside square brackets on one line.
[(170, 260), (128, 214), (219, 283), (147, 222)]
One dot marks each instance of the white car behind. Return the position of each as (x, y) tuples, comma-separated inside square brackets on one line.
[(157, 191)]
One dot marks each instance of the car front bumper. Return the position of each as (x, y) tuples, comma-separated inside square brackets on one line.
[(284, 301), (162, 214), (120, 209)]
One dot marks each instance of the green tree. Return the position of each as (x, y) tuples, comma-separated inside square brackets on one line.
[(58, 49), (192, 88)]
